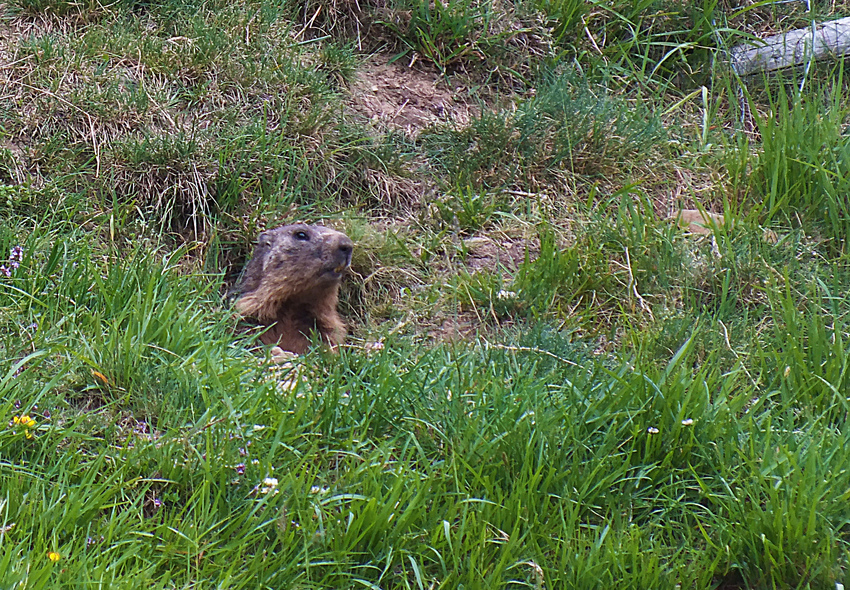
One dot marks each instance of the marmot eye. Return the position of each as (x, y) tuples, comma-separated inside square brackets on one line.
[(301, 235)]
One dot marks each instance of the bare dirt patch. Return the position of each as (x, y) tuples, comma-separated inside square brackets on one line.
[(394, 96), (490, 253)]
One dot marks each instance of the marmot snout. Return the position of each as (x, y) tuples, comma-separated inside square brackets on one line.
[(291, 284)]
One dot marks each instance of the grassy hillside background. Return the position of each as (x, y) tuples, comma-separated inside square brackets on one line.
[(571, 392)]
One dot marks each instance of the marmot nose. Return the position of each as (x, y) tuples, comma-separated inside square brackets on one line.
[(345, 250), (344, 245), (342, 248)]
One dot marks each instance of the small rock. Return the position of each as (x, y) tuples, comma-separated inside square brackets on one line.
[(280, 356), (698, 222), (476, 242)]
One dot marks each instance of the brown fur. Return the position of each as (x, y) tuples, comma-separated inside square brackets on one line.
[(291, 285)]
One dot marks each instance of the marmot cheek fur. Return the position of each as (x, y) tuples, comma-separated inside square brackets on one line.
[(291, 285)]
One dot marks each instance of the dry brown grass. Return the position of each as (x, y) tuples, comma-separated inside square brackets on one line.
[(186, 126)]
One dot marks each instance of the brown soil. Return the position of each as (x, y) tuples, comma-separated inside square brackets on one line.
[(488, 253), (398, 97)]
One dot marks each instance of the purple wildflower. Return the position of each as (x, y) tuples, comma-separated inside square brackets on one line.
[(16, 254), (240, 469), (5, 271)]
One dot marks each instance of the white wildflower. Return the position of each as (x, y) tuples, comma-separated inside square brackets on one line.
[(373, 346), (269, 485)]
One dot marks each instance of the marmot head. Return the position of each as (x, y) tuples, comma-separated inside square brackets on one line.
[(294, 263)]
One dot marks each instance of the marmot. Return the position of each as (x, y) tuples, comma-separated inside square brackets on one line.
[(291, 285)]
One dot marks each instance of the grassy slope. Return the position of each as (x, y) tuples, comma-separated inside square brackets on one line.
[(572, 392)]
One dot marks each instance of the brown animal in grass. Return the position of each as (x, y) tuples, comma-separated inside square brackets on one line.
[(291, 285)]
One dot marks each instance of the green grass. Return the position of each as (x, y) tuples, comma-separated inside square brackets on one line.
[(566, 127), (471, 465), (572, 392)]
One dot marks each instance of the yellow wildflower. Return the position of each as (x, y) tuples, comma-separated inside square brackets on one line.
[(28, 424), (53, 556), (23, 421)]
